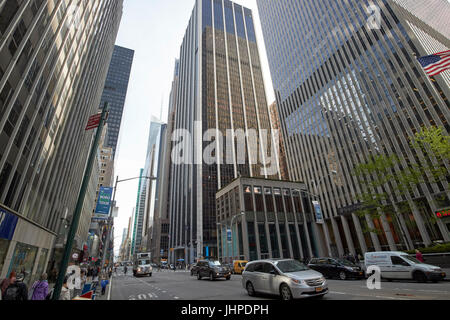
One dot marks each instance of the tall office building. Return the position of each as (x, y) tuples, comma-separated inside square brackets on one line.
[(348, 86), (159, 246), (115, 92), (138, 215), (276, 125), (54, 57), (150, 186), (220, 88)]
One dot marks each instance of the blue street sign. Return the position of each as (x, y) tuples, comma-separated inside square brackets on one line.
[(8, 223), (229, 235), (103, 202)]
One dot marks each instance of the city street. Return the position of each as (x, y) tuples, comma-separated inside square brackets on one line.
[(169, 285)]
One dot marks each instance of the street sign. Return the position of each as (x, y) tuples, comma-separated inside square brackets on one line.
[(229, 235), (318, 211), (94, 122), (103, 203)]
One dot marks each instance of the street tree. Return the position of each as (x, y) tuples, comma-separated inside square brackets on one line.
[(390, 182)]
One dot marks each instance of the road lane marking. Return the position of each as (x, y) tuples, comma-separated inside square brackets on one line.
[(338, 292)]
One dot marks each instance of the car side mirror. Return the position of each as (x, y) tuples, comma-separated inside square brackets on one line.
[(273, 272)]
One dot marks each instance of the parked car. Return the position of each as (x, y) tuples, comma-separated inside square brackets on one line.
[(336, 268), (287, 278), (194, 269), (213, 270), (399, 265), (239, 266)]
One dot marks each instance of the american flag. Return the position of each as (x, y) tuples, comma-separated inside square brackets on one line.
[(436, 63)]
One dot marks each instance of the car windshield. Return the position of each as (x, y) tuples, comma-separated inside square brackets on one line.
[(345, 262), (243, 264), (412, 259), (214, 263), (144, 262), (291, 266)]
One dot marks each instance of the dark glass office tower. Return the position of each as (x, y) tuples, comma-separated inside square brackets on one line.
[(220, 87), (349, 86), (54, 57), (115, 92)]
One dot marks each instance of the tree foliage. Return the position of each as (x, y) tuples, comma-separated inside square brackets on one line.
[(382, 173)]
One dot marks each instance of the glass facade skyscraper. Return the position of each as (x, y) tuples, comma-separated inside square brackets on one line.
[(221, 88), (348, 86), (115, 92), (54, 57)]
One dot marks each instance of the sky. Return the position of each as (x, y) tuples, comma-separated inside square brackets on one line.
[(155, 30)]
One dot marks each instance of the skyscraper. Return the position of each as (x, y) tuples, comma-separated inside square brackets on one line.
[(161, 222), (115, 92), (220, 88), (150, 186), (54, 58), (348, 87)]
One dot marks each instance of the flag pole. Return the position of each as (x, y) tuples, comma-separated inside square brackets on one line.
[(79, 207)]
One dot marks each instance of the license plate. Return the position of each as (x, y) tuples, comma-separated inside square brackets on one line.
[(319, 289)]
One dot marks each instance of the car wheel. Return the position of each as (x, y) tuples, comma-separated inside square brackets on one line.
[(342, 275), (150, 275), (228, 278), (420, 277), (199, 277), (211, 277), (250, 289), (285, 292), (192, 273)]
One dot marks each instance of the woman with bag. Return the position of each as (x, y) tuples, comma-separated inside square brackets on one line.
[(39, 290)]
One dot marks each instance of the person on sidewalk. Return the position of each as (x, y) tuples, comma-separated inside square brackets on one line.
[(65, 291), (40, 288), (6, 282), (419, 256), (95, 279), (104, 284), (17, 290)]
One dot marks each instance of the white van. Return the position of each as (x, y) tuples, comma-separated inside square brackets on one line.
[(399, 265)]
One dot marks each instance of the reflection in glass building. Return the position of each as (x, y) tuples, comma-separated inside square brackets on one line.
[(348, 86), (220, 87), (54, 57)]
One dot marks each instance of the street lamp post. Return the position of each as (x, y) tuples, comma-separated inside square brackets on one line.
[(79, 205), (110, 218)]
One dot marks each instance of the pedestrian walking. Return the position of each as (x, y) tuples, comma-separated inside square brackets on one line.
[(39, 290), (95, 275), (104, 284), (6, 282), (419, 256), (65, 291), (16, 290)]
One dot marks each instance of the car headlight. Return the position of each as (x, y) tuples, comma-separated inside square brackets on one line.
[(297, 281)]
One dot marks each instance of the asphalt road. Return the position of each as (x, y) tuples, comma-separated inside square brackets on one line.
[(169, 285)]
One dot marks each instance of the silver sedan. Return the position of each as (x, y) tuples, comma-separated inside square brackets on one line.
[(287, 278)]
